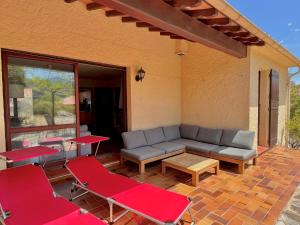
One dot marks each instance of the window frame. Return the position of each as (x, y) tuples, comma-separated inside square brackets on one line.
[(9, 131)]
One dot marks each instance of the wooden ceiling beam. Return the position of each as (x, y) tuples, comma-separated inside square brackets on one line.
[(111, 13), (164, 16), (201, 12), (165, 33), (70, 1), (93, 6), (185, 3), (229, 28), (250, 39), (238, 34), (216, 21), (128, 19), (155, 29), (143, 24)]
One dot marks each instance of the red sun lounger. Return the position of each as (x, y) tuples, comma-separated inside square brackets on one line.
[(27, 153), (156, 204), (27, 198), (90, 139)]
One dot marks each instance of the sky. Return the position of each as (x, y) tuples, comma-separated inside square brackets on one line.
[(280, 19)]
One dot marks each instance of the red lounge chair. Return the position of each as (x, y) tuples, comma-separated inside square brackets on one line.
[(156, 204), (27, 198)]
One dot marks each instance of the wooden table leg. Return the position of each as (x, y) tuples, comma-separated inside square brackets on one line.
[(163, 169), (195, 179), (217, 169)]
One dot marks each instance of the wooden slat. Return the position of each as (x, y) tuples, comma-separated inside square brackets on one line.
[(128, 19), (250, 39), (70, 1), (161, 15), (165, 33), (143, 24), (201, 12), (216, 21), (111, 13), (155, 29), (238, 34), (228, 28), (176, 37), (185, 3), (93, 6)]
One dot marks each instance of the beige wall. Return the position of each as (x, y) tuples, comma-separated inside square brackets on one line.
[(69, 30), (261, 59), (215, 88), (204, 87)]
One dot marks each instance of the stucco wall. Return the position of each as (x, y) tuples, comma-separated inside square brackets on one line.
[(262, 59), (69, 30), (215, 88)]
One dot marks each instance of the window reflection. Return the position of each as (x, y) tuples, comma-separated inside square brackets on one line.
[(40, 94), (50, 138)]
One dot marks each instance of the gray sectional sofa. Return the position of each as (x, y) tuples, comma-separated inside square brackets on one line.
[(146, 146)]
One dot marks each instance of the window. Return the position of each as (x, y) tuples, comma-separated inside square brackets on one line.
[(40, 101)]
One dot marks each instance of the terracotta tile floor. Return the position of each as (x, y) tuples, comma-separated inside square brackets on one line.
[(257, 197)]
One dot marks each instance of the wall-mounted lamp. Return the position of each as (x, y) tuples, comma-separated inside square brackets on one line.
[(140, 75)]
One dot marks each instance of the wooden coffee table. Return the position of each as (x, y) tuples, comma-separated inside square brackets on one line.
[(191, 164)]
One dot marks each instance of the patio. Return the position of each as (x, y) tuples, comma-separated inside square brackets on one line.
[(257, 197)]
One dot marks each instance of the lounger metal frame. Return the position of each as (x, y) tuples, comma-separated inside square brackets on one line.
[(112, 202)]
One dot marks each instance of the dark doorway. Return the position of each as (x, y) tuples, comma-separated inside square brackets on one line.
[(102, 94), (273, 107)]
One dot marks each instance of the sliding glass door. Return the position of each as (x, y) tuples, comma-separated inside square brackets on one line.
[(40, 101)]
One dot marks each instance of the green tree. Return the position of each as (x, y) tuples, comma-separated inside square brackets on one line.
[(294, 123)]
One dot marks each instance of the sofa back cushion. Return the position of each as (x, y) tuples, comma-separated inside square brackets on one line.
[(171, 132), (189, 131), (154, 136), (208, 135), (134, 139), (238, 138)]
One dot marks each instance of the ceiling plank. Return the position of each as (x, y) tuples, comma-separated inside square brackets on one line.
[(128, 19), (111, 13), (93, 6), (162, 15), (201, 12)]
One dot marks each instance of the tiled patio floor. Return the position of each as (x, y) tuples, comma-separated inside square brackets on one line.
[(257, 197)]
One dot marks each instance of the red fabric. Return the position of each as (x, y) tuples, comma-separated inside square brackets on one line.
[(155, 202), (76, 218), (88, 139), (27, 194), (28, 153), (89, 170)]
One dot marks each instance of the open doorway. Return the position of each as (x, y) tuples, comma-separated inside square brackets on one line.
[(102, 96), (268, 102)]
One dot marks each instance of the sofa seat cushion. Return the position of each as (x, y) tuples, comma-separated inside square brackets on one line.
[(189, 131), (134, 139), (237, 138), (171, 132), (209, 135), (197, 146), (142, 153), (235, 153), (169, 147), (154, 136)]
